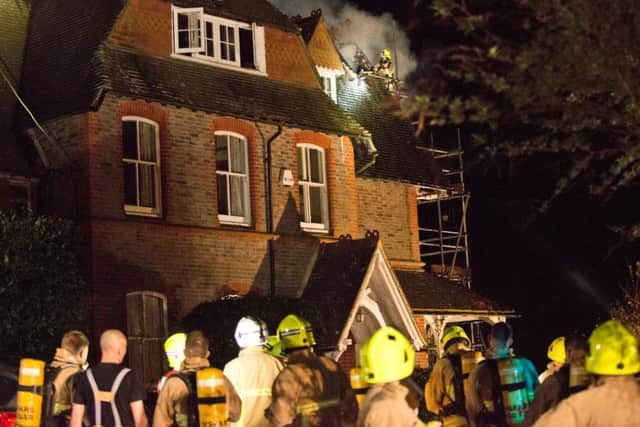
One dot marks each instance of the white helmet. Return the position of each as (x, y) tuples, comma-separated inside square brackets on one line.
[(251, 332)]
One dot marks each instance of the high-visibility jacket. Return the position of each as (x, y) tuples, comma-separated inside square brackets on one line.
[(69, 365), (252, 374), (172, 405), (311, 391), (388, 405), (614, 403)]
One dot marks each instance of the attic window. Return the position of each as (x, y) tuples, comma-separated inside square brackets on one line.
[(328, 80), (218, 41)]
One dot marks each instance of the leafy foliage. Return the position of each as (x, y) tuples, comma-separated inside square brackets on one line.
[(627, 309), (41, 289), (559, 77)]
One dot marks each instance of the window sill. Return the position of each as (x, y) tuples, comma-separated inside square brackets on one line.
[(310, 227), (234, 221), (214, 63), (135, 211)]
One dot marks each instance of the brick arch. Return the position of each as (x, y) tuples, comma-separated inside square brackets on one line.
[(146, 110), (311, 137)]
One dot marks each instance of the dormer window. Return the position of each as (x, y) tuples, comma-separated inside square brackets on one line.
[(218, 41), (328, 80)]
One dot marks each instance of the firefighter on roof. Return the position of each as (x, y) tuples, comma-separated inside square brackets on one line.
[(252, 373), (311, 391), (384, 67)]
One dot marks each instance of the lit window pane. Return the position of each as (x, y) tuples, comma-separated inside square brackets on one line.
[(130, 184), (130, 140), (237, 191), (222, 153), (146, 178), (223, 201), (315, 203), (147, 142)]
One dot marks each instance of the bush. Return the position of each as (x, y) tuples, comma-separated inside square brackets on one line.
[(41, 289)]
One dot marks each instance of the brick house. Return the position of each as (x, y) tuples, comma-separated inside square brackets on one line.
[(205, 160)]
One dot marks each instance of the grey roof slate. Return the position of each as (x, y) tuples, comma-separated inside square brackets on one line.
[(429, 293), (398, 159)]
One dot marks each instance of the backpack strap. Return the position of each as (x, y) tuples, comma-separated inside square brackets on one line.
[(96, 402), (106, 396)]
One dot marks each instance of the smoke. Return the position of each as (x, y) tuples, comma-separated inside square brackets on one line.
[(354, 27)]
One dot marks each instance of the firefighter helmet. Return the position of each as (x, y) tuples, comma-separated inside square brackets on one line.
[(251, 332), (454, 333), (309, 330), (386, 356), (174, 349), (556, 351), (273, 346), (386, 53), (613, 350), (293, 333)]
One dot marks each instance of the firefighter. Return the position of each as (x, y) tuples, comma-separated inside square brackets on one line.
[(570, 378), (612, 356), (110, 394), (178, 401), (274, 348), (386, 359), (311, 390), (252, 373), (502, 386), (557, 356), (384, 67), (69, 359), (444, 392), (174, 349)]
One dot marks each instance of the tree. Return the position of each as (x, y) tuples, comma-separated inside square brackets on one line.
[(627, 309), (41, 289), (553, 77)]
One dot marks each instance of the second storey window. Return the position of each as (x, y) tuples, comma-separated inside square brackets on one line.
[(218, 40), (232, 177), (312, 180), (141, 162)]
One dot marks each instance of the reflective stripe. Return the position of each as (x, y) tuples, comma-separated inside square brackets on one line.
[(313, 407), (100, 396), (256, 392), (289, 332), (114, 390)]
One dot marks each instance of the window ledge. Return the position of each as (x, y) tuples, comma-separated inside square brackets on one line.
[(232, 220), (311, 227), (214, 63), (136, 211)]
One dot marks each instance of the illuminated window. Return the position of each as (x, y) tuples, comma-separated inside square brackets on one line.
[(312, 181), (232, 178), (328, 80), (141, 163)]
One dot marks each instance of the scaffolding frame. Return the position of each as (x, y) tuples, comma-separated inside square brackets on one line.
[(445, 247)]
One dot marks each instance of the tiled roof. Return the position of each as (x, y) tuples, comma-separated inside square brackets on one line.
[(429, 293), (217, 90), (334, 284), (398, 158), (259, 11)]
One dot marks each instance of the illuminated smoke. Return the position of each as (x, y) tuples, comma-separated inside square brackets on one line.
[(356, 27)]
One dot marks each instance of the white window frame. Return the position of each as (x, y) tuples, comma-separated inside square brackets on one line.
[(234, 219), (190, 10), (305, 224), (198, 54), (155, 211), (331, 74)]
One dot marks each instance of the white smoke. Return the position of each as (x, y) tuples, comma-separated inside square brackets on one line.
[(356, 27)]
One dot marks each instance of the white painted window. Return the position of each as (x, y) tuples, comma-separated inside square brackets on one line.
[(328, 80), (217, 40), (141, 164), (232, 179), (312, 181)]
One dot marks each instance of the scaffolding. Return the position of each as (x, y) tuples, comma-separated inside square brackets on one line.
[(442, 209)]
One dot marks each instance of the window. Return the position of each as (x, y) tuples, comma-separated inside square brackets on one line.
[(19, 197), (328, 80), (218, 40), (312, 180), (141, 162), (232, 178)]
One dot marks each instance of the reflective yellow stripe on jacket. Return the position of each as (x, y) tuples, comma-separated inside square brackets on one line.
[(313, 407), (256, 392)]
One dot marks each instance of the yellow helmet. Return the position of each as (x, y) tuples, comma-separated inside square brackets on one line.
[(386, 53), (174, 349), (386, 356), (556, 350), (273, 346), (292, 333), (309, 330), (613, 350), (453, 333)]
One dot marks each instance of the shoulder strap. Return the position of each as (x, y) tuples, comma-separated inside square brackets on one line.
[(496, 389), (189, 379), (96, 402), (110, 397), (458, 389), (114, 389)]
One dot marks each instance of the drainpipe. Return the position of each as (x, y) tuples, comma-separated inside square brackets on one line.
[(269, 207)]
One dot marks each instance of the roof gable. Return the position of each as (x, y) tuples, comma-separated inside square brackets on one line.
[(321, 45)]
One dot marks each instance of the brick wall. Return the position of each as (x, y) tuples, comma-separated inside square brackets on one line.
[(322, 49), (390, 208)]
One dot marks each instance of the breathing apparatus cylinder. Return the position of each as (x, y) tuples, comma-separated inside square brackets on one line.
[(211, 395), (30, 388), (514, 391), (358, 384), (468, 360)]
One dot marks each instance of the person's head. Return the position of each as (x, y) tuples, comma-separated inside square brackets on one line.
[(557, 351), (575, 347), (613, 350), (251, 332), (455, 339), (113, 345), (76, 343), (174, 349), (295, 333), (197, 345), (387, 356), (500, 338)]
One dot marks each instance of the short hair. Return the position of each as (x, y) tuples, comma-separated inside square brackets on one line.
[(501, 331), (74, 341), (197, 344), (575, 342)]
